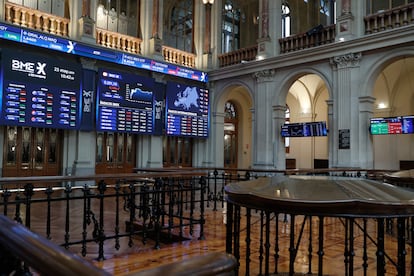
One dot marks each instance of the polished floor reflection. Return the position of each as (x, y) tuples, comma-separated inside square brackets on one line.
[(144, 256)]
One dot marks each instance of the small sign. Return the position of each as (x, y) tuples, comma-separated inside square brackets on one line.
[(344, 139)]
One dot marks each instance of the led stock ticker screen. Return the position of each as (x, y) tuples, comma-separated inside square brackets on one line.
[(39, 91), (187, 110), (124, 103), (392, 125), (304, 129)]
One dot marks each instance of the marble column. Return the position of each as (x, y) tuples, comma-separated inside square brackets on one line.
[(262, 120), (346, 88)]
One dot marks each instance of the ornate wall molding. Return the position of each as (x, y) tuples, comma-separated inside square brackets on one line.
[(264, 75), (347, 60)]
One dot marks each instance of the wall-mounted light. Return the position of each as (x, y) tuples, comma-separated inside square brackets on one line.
[(211, 2), (381, 105)]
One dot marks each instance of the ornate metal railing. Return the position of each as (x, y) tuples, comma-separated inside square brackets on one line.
[(317, 36), (320, 216), (124, 206), (389, 19), (238, 56), (35, 19)]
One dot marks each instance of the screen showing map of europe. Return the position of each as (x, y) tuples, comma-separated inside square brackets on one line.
[(187, 110)]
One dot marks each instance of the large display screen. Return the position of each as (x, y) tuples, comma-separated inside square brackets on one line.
[(39, 91), (392, 125), (124, 103), (187, 110), (304, 129)]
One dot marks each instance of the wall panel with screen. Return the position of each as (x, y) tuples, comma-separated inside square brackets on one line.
[(304, 129), (187, 110), (392, 125), (39, 91), (125, 102)]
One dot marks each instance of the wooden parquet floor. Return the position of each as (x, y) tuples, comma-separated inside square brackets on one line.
[(142, 255)]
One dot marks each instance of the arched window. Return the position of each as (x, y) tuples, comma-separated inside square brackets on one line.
[(118, 16), (231, 16), (178, 24), (285, 20)]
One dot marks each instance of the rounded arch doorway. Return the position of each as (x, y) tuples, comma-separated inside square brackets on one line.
[(230, 135)]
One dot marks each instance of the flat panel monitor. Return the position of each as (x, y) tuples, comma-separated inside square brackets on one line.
[(307, 129), (187, 110), (39, 91), (392, 125), (125, 102)]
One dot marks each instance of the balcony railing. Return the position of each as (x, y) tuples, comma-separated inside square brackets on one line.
[(317, 36), (238, 56), (179, 57), (118, 41), (389, 19), (38, 20)]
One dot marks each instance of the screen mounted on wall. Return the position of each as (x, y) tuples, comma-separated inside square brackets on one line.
[(124, 102), (187, 110), (304, 129), (392, 125), (39, 91)]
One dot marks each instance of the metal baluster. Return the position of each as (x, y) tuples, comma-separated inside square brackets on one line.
[(28, 192), (310, 246), (202, 191), (380, 247), (101, 235), (320, 249), (276, 243), (401, 245), (68, 190), (267, 243), (48, 191), (248, 239), (292, 249), (365, 248)]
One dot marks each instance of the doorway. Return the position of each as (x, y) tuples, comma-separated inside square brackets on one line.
[(32, 151), (230, 136), (115, 153)]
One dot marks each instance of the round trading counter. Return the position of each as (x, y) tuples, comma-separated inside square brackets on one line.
[(368, 210)]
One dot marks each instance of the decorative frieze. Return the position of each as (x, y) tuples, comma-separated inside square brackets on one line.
[(347, 60), (264, 75)]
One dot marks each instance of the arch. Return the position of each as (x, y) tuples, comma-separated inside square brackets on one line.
[(290, 78), (241, 96), (379, 64)]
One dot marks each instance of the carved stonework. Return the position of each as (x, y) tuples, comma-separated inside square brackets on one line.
[(347, 60), (265, 75)]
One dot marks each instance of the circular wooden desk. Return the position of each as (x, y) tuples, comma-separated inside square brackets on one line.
[(354, 200)]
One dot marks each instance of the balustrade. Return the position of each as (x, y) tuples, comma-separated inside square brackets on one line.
[(238, 56), (118, 41), (389, 19), (35, 19), (315, 37), (179, 57)]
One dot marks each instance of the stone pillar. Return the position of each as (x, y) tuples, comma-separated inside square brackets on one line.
[(263, 128), (366, 152), (86, 24), (269, 28), (346, 89), (332, 143), (155, 42), (345, 21), (279, 143), (207, 51)]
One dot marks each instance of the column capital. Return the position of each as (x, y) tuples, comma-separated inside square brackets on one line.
[(347, 60), (264, 75)]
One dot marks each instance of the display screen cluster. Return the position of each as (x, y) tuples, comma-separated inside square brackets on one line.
[(187, 110), (39, 91), (124, 103), (392, 125), (304, 129)]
